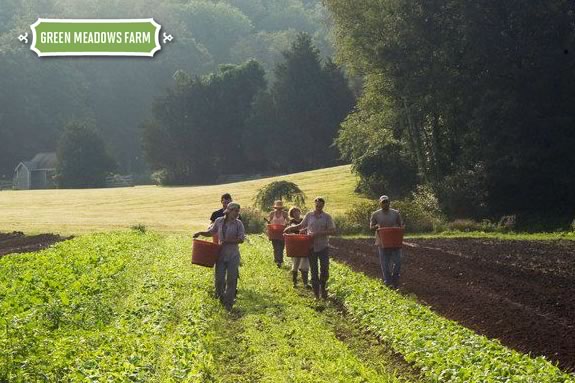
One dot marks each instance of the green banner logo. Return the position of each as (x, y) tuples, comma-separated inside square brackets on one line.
[(91, 37)]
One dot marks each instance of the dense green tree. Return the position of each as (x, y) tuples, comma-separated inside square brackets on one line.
[(478, 93), (83, 161), (301, 115), (38, 95), (217, 26), (196, 132)]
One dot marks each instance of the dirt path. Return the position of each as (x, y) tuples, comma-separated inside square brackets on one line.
[(17, 242), (520, 292)]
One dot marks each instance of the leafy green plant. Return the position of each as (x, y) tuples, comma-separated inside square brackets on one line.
[(106, 307), (279, 335), (444, 350)]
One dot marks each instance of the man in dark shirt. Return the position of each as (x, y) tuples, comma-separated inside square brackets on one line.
[(226, 199)]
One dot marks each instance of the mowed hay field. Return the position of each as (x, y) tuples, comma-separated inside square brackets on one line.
[(166, 209)]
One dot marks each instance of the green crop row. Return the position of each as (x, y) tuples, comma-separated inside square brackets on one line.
[(279, 334), (444, 350), (106, 308)]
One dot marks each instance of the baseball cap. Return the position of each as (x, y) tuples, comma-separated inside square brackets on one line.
[(383, 198), (232, 205)]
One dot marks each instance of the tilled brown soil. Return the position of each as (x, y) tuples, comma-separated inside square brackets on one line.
[(17, 242), (520, 292)]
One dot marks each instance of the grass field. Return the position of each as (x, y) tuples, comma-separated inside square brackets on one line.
[(166, 209)]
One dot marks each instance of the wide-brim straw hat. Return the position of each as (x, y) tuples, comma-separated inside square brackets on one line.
[(278, 205)]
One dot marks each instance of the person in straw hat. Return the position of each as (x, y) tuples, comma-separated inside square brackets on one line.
[(231, 233), (278, 216)]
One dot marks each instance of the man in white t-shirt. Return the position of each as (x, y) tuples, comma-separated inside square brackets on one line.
[(390, 259), (320, 226)]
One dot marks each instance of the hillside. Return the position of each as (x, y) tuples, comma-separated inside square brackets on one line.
[(167, 209)]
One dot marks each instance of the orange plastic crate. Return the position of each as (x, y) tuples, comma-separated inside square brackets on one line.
[(391, 237), (205, 253), (298, 245), (276, 231)]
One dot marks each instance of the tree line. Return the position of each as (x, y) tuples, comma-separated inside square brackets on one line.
[(39, 97), (471, 98), (231, 122)]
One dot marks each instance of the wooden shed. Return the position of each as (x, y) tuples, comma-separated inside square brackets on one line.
[(38, 173)]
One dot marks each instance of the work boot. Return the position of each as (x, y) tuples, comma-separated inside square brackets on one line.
[(294, 278), (395, 282), (304, 278), (323, 290), (316, 291)]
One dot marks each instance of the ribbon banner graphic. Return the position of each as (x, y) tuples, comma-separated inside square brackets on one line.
[(91, 37)]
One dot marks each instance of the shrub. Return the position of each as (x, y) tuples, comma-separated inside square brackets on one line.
[(421, 212), (464, 225), (159, 177), (507, 223), (468, 225), (360, 213), (253, 220), (279, 190), (345, 226), (356, 219), (139, 227)]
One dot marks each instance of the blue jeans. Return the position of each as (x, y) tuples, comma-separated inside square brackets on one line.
[(319, 275), (226, 276), (387, 258), (278, 246)]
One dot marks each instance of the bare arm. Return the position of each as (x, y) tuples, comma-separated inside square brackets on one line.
[(208, 233), (373, 223)]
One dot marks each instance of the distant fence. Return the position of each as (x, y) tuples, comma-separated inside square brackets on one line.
[(118, 181), (6, 185)]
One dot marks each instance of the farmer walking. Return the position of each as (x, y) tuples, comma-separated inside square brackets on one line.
[(390, 259), (278, 217), (231, 233), (225, 200), (320, 226), (298, 263)]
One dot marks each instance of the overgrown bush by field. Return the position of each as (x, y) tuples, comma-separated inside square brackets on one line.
[(444, 350), (356, 219), (421, 212), (253, 220), (469, 225)]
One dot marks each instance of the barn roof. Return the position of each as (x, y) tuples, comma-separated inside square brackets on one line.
[(42, 161)]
